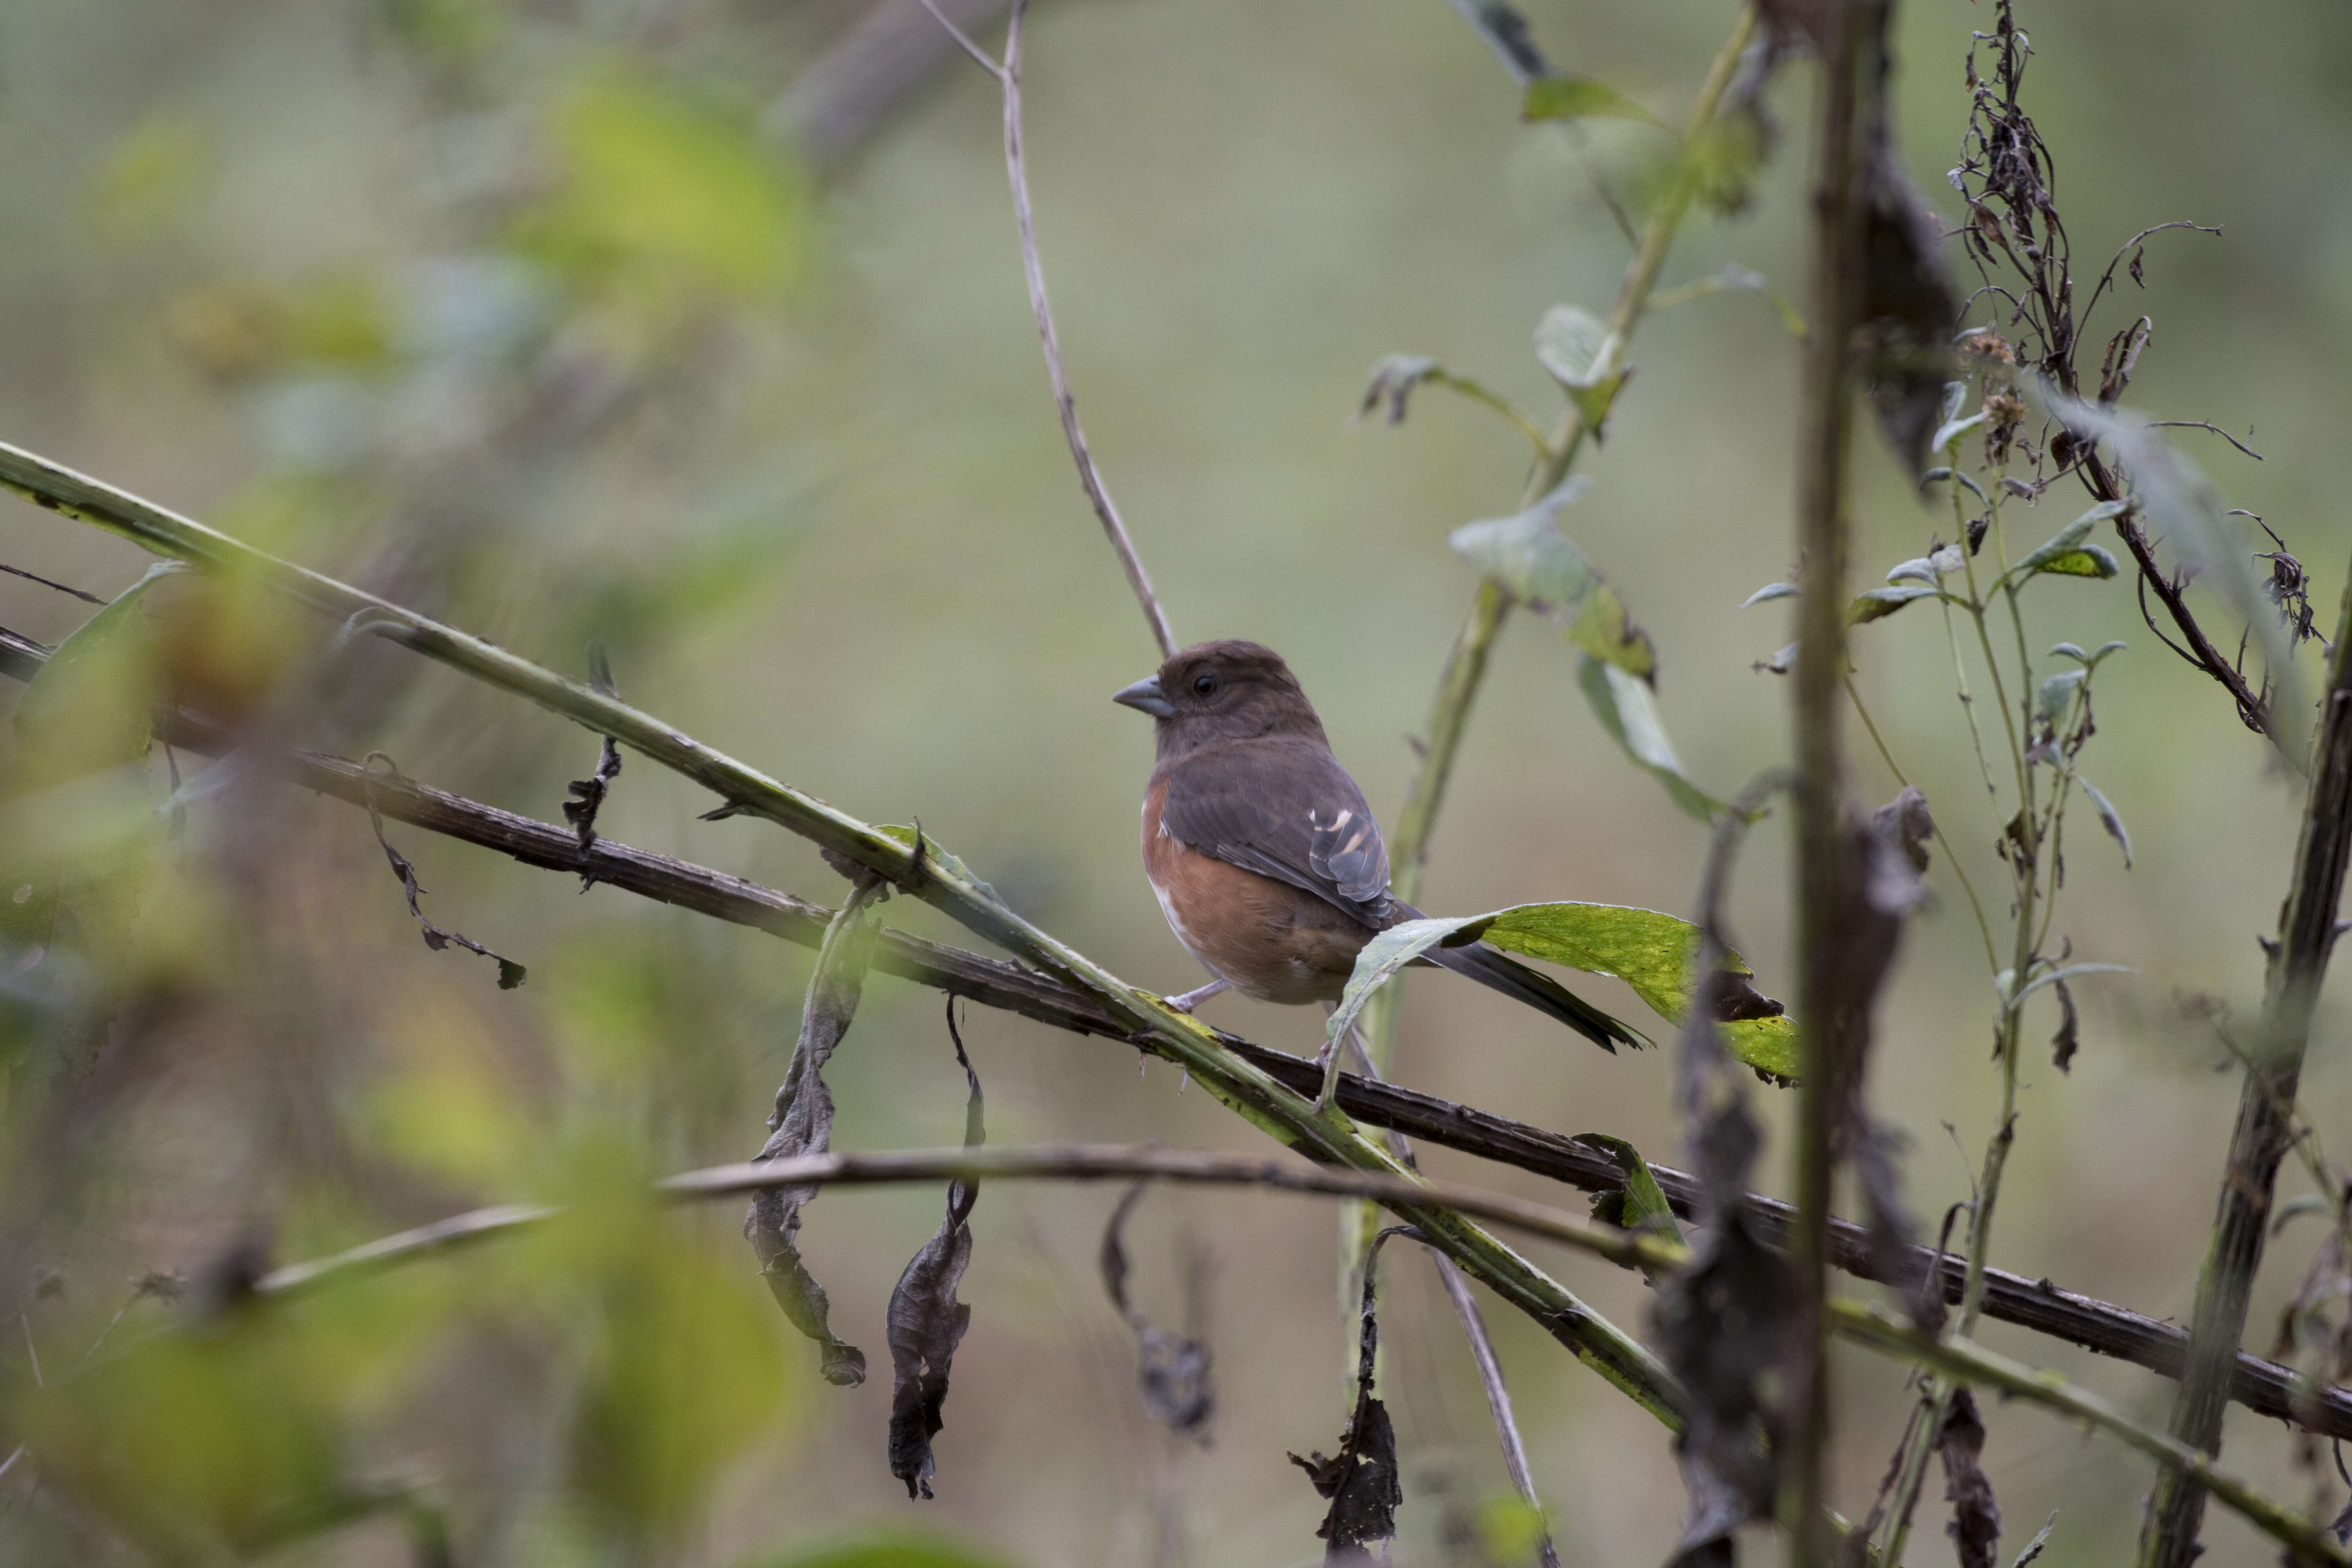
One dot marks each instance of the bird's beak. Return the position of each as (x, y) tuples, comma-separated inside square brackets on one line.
[(1145, 697)]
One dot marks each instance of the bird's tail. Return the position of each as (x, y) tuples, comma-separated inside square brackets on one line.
[(1498, 972)]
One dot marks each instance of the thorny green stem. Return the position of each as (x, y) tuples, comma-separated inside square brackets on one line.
[(1466, 662), (1327, 1136)]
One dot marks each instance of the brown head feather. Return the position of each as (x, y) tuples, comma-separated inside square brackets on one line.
[(1230, 690)]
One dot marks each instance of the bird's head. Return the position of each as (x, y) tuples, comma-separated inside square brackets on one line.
[(1226, 691)]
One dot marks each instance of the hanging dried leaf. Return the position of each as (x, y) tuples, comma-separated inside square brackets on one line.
[(926, 1322), (1975, 1529), (1908, 307), (2064, 1043), (1174, 1369), (511, 974), (803, 1124), (588, 794), (1362, 1479)]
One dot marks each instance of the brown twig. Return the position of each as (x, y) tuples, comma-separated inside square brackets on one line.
[(2206, 425), (44, 581)]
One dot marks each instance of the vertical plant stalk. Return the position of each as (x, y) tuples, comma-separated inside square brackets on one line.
[(1466, 663), (1840, 260), (2266, 1116)]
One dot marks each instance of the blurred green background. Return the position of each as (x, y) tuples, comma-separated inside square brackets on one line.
[(556, 319)]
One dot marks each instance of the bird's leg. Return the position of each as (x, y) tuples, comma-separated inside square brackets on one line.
[(1323, 1056), (1194, 997)]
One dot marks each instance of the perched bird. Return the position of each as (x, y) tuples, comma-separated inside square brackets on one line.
[(1268, 862)]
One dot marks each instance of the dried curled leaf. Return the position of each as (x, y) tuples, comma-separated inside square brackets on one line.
[(511, 974), (1361, 1480), (1640, 1203), (803, 1124), (588, 794), (926, 1322), (1174, 1369), (1975, 1529), (1393, 381)]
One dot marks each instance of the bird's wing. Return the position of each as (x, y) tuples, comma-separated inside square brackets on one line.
[(1282, 808)]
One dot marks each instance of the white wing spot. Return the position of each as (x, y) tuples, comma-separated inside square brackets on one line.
[(1354, 843)]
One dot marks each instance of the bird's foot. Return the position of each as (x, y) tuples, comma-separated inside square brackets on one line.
[(1194, 997)]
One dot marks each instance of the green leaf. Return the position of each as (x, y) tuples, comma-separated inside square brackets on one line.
[(1880, 603), (932, 853), (658, 193), (1769, 591), (1378, 962), (1580, 98), (1582, 352), (1951, 430), (77, 809), (2058, 693), (1642, 1206), (2088, 660), (2108, 818), (889, 1548), (1650, 952), (1628, 710), (1717, 167), (2090, 560), (1528, 555), (2067, 542), (91, 707), (2052, 976)]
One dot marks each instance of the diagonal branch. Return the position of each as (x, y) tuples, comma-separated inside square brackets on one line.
[(1325, 1135), (2039, 1305)]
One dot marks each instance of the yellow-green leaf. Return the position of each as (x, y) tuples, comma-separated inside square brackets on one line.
[(1650, 952)]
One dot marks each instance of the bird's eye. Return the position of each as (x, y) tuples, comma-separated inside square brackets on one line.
[(1204, 684)]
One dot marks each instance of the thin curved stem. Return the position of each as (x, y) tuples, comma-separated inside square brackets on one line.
[(1089, 477)]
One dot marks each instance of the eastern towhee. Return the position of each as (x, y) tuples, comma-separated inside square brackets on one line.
[(1268, 862)]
